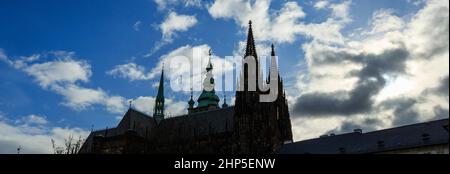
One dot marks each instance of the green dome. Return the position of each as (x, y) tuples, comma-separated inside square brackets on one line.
[(208, 98)]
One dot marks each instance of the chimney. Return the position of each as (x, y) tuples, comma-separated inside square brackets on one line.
[(359, 131)]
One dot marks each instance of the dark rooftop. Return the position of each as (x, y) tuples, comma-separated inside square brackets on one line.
[(410, 136), (196, 124)]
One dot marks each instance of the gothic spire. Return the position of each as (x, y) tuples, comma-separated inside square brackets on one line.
[(250, 49), (158, 113), (273, 64), (161, 85)]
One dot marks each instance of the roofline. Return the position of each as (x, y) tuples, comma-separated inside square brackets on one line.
[(376, 131), (230, 106), (397, 148), (410, 125)]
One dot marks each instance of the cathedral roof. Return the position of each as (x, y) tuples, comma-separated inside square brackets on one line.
[(196, 124), (218, 121)]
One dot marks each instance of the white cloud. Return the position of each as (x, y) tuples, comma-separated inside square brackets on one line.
[(425, 39), (341, 10), (3, 56), (63, 76), (59, 72), (34, 139), (241, 11), (285, 25), (78, 97), (417, 2), (137, 25), (130, 71), (176, 23), (175, 72), (172, 108), (321, 4), (172, 24), (384, 21), (163, 4), (115, 104), (34, 119)]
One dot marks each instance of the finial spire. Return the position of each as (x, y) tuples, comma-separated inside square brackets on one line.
[(209, 66), (131, 102)]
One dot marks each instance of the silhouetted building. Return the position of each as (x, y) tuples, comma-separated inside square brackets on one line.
[(422, 138), (250, 126)]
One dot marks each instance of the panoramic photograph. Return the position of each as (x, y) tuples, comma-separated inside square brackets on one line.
[(224, 77)]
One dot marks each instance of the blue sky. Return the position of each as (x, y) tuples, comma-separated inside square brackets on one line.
[(100, 36)]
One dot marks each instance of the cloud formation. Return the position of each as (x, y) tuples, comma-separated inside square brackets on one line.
[(279, 27), (172, 24), (164, 4), (393, 72), (32, 136), (63, 75), (176, 23), (146, 105), (130, 71)]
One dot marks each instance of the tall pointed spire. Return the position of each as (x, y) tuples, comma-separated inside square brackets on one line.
[(161, 84), (158, 113), (250, 49), (273, 64)]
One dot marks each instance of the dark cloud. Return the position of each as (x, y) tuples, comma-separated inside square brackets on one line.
[(443, 87), (360, 98), (441, 90), (404, 112)]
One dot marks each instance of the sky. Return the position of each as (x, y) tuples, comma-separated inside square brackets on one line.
[(69, 67)]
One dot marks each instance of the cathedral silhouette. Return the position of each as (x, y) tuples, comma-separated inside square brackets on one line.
[(248, 127)]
